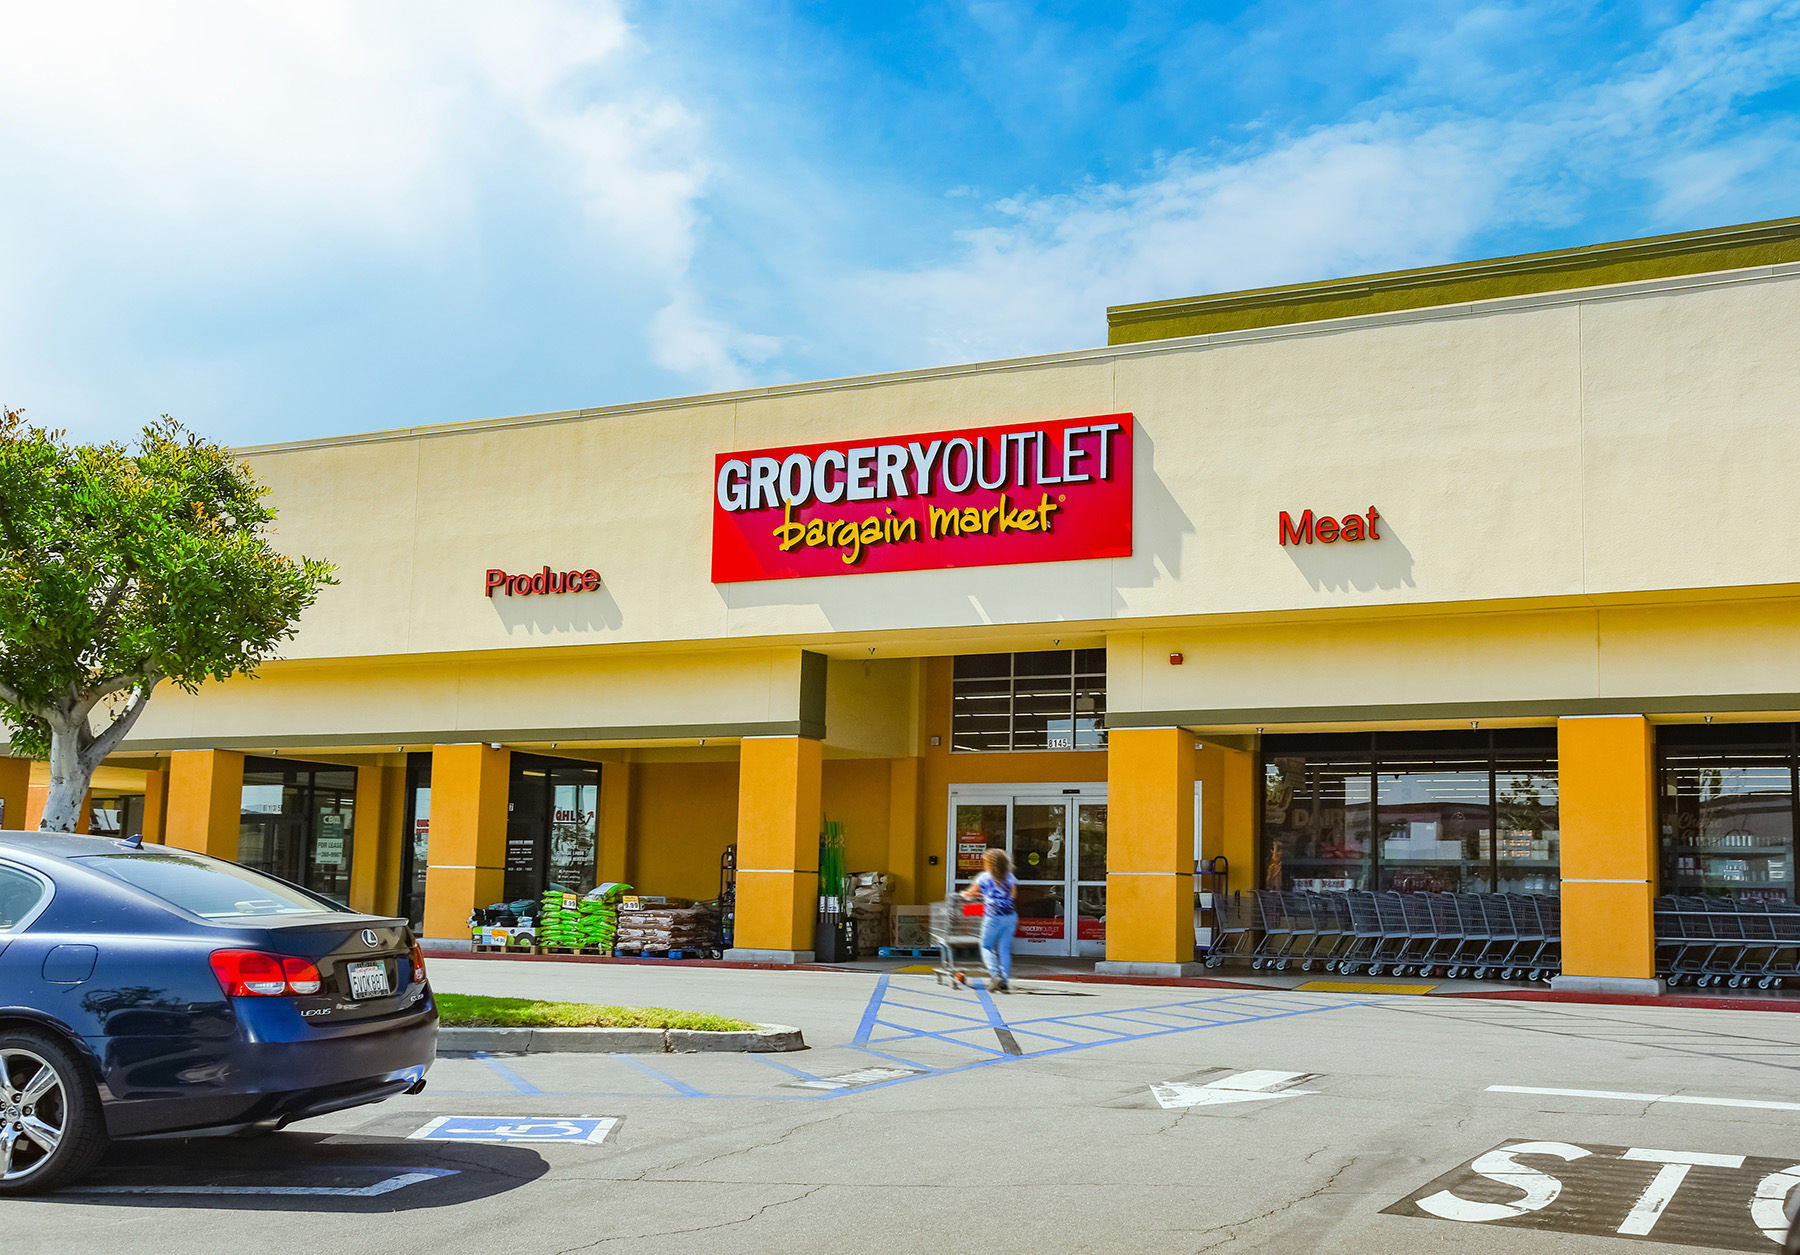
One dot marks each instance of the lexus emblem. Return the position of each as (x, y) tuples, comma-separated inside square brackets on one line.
[(369, 937)]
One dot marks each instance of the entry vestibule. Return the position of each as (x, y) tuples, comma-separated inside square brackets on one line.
[(1055, 835)]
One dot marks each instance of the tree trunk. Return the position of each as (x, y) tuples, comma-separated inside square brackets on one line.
[(69, 777)]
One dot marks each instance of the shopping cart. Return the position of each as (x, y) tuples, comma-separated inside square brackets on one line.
[(956, 923)]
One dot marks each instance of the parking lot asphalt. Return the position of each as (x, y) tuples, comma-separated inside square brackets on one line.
[(1064, 1117)]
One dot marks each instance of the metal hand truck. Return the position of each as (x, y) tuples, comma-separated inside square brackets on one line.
[(1234, 938)]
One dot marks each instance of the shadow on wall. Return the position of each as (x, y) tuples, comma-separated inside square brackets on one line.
[(1158, 528), (1356, 565), (558, 612)]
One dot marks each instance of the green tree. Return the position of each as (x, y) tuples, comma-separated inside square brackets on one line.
[(121, 568)]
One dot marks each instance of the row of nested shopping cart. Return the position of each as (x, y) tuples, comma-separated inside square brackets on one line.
[(1702, 941), (1718, 941), (1506, 936)]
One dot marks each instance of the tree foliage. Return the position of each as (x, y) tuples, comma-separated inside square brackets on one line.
[(120, 568)]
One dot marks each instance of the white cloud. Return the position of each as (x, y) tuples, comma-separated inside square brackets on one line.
[(714, 355), (204, 148), (1401, 187)]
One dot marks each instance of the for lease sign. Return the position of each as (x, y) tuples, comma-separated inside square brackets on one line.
[(1031, 492)]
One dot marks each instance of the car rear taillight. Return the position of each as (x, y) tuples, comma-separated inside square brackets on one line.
[(418, 958), (302, 977), (253, 974)]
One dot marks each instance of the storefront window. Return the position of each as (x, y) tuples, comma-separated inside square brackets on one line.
[(1431, 799), (1049, 700), (1726, 801), (1528, 837), (1316, 822), (1437, 828), (297, 823)]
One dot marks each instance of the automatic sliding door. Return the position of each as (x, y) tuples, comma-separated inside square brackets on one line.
[(1040, 833), (1088, 878)]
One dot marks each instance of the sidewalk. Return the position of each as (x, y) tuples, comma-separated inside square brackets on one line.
[(1231, 976)]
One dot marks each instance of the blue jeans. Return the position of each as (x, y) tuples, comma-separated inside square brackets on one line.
[(996, 944)]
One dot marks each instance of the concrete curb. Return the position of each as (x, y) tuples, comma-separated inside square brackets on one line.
[(764, 1039)]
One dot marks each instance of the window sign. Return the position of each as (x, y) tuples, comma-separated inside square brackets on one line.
[(262, 799)]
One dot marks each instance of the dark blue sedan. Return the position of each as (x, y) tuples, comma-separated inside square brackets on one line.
[(148, 991)]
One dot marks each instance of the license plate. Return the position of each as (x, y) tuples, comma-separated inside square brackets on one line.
[(369, 980)]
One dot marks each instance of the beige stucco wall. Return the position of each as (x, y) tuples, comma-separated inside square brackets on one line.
[(582, 697), (1518, 665), (1544, 454)]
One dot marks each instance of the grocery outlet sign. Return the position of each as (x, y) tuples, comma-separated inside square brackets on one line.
[(1036, 492)]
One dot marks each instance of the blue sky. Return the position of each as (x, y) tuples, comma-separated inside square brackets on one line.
[(281, 221)]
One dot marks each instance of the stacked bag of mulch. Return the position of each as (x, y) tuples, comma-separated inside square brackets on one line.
[(580, 922), (869, 893), (663, 924)]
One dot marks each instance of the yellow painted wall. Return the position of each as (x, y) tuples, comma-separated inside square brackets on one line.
[(856, 794), (906, 839), (616, 803), (15, 786), (1606, 786), (683, 815), (156, 805)]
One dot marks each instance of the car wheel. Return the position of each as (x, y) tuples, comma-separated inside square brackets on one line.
[(53, 1130)]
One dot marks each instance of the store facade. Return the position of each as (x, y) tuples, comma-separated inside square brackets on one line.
[(1472, 579)]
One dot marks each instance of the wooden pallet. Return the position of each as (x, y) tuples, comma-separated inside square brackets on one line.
[(590, 951), (481, 949), (665, 954)]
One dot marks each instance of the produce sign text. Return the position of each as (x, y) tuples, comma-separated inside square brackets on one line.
[(1040, 492)]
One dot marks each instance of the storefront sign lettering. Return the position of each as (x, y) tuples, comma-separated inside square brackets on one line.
[(1041, 492), (542, 582), (1326, 529)]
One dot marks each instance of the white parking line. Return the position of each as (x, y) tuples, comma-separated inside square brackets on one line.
[(1696, 1100), (284, 1191)]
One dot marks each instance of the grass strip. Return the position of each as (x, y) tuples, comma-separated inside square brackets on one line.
[(478, 1011)]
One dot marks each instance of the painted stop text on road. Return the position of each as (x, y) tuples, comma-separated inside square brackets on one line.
[(1671, 1194)]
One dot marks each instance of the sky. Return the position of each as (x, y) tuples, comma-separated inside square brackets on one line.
[(281, 221)]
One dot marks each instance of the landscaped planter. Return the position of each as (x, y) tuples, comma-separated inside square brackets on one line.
[(764, 1039)]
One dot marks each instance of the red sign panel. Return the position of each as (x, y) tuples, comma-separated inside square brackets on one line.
[(1031, 492)]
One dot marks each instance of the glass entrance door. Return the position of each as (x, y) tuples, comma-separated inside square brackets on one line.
[(1056, 838)]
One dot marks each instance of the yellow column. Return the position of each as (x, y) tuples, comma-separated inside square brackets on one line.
[(206, 801), (467, 849), (156, 805), (1150, 853), (778, 849), (1606, 785), (15, 787), (903, 828), (615, 821), (375, 840)]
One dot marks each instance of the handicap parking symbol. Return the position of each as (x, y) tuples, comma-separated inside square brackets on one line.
[(582, 1129)]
